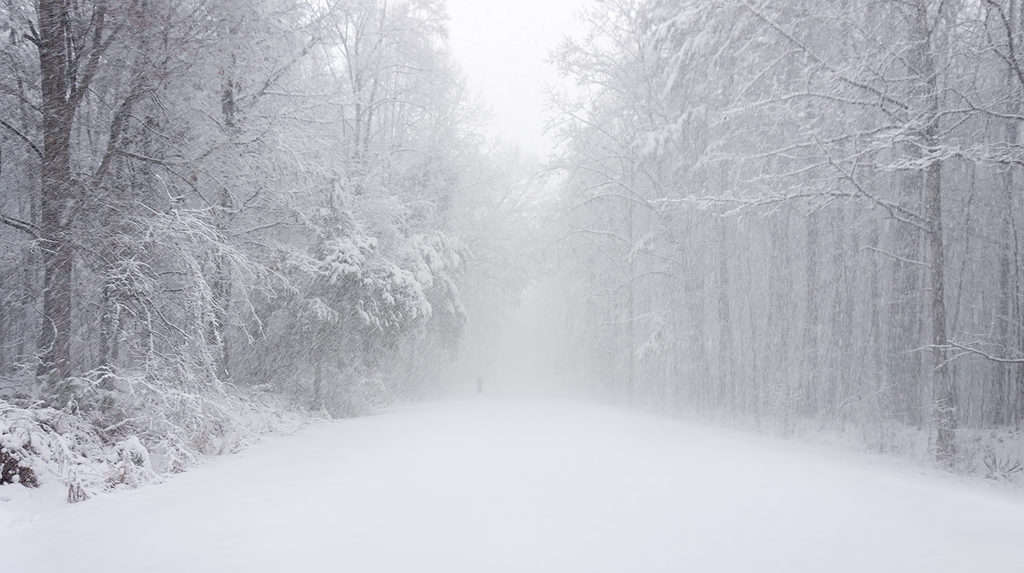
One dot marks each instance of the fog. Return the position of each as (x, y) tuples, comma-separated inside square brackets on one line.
[(467, 285), (504, 52)]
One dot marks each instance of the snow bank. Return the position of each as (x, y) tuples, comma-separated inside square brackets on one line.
[(128, 431)]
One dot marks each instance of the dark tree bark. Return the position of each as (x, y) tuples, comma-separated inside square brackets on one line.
[(54, 344)]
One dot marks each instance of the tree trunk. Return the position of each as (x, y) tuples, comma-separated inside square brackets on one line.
[(943, 385), (1010, 378), (54, 344), (630, 301), (221, 286), (698, 372), (726, 357), (880, 383), (110, 326), (318, 382), (808, 402)]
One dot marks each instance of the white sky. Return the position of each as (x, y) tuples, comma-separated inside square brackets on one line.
[(503, 47)]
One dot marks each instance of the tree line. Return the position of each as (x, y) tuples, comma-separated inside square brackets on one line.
[(797, 211), (204, 196)]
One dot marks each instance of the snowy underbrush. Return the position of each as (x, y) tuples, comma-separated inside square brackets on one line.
[(994, 454), (115, 430)]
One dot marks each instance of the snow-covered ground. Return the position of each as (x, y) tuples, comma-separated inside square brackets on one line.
[(526, 486)]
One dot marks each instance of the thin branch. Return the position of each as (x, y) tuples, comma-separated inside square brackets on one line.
[(882, 96), (895, 256), (35, 148), (23, 226), (983, 354)]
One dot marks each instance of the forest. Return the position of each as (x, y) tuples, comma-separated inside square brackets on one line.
[(803, 214), (221, 218), (218, 208)]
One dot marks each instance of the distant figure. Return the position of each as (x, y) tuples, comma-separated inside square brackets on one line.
[(479, 384)]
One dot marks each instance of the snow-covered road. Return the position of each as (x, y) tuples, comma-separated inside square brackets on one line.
[(482, 486)]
